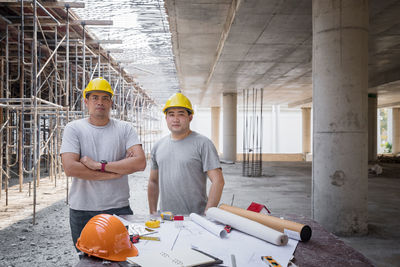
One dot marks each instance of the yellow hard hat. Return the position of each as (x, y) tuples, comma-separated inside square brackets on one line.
[(98, 84), (178, 100)]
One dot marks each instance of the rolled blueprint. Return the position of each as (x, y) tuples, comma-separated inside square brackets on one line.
[(248, 226), (209, 226), (292, 229)]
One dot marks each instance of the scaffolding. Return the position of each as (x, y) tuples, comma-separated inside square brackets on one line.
[(47, 56)]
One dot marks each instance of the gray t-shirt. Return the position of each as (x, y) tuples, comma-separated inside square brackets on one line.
[(109, 143), (182, 166)]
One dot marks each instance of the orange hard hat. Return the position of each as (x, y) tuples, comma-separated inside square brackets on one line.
[(105, 236)]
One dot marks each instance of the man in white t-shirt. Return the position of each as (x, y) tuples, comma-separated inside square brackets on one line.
[(181, 163), (99, 152)]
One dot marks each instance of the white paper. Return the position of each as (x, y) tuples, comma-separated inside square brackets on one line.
[(176, 258), (217, 230), (247, 249), (167, 233), (139, 229), (135, 228), (292, 234), (248, 226)]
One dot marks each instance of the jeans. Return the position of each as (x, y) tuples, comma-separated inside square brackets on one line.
[(79, 218)]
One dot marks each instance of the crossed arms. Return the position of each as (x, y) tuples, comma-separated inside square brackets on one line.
[(88, 169)]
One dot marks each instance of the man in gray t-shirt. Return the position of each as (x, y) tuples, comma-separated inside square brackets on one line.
[(181, 163), (98, 153)]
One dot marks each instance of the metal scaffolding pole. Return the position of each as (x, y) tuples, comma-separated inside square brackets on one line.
[(22, 94), (38, 97), (83, 59), (67, 86), (1, 124), (35, 114)]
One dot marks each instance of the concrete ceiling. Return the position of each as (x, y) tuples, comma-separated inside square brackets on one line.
[(227, 46), (146, 41)]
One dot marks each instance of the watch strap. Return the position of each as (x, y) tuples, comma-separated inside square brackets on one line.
[(103, 166)]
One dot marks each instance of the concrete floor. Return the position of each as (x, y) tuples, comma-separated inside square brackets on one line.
[(285, 188)]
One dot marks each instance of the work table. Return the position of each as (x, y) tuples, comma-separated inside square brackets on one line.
[(323, 249)]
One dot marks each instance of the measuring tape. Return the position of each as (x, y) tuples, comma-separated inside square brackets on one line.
[(167, 216), (270, 261), (153, 223), (135, 238), (154, 238)]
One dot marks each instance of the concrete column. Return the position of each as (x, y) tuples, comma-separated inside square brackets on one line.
[(389, 126), (229, 105), (340, 82), (275, 128), (215, 112), (396, 130), (306, 129), (372, 126)]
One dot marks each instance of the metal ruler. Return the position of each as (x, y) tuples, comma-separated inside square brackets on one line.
[(154, 238)]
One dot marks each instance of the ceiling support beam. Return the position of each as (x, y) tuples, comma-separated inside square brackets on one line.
[(385, 77), (300, 102), (58, 4), (225, 32)]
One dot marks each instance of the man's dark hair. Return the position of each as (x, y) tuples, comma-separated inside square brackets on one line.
[(188, 110), (88, 93)]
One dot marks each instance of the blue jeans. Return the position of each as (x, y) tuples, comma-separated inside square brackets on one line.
[(79, 218)]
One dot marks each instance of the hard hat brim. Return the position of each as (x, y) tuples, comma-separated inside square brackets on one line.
[(97, 91), (178, 100), (188, 110)]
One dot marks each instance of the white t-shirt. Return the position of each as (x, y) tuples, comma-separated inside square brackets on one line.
[(110, 143)]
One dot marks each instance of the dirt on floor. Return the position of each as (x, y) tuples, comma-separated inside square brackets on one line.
[(48, 242), (284, 187), (45, 243)]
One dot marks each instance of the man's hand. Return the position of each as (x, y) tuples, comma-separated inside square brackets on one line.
[(91, 164), (153, 191), (217, 185), (78, 167)]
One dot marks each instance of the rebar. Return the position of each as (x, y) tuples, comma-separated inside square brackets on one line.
[(252, 132)]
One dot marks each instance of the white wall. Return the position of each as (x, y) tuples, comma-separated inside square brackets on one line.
[(290, 131), (201, 122), (283, 121)]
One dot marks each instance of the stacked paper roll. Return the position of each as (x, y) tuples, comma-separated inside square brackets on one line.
[(247, 226), (217, 230), (292, 229)]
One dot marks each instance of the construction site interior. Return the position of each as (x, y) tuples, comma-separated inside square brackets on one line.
[(49, 52)]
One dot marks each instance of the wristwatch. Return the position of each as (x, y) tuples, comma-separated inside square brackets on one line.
[(103, 165)]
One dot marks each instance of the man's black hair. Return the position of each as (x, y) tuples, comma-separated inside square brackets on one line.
[(188, 110), (88, 93)]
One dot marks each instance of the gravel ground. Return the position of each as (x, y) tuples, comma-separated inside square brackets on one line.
[(284, 188), (48, 242)]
